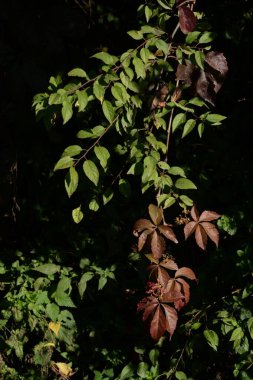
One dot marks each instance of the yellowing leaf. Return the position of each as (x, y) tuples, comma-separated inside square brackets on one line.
[(55, 327), (63, 369)]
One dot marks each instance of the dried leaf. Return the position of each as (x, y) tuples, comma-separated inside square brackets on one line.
[(157, 245), (208, 216), (171, 319), (189, 228), (187, 19), (211, 231), (201, 237), (158, 324), (168, 233), (156, 214), (160, 97), (185, 272), (205, 87), (184, 72)]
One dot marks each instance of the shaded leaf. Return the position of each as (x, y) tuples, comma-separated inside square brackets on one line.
[(48, 269), (217, 61), (169, 264), (143, 224), (185, 289), (212, 338)]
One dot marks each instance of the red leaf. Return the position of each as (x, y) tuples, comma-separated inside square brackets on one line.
[(187, 20), (162, 277), (157, 245), (143, 224), (143, 303), (158, 324), (189, 228), (179, 304), (156, 214), (208, 216), (194, 213), (169, 264), (185, 289), (168, 233), (150, 309), (201, 237), (211, 231), (171, 319), (185, 272)]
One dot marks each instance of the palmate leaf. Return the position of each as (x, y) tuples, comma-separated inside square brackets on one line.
[(202, 227), (171, 318), (157, 245), (156, 214), (158, 324), (168, 233)]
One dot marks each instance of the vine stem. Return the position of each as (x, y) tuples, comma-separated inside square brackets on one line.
[(96, 142)]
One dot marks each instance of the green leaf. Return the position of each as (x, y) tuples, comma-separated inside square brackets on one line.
[(188, 127), (148, 13), (64, 163), (72, 150), (125, 188), (108, 110), (71, 183), (91, 133), (200, 58), (176, 170), (184, 184), (146, 55), (135, 34), (139, 67), (163, 165), (126, 372), (48, 268), (180, 375), (57, 98), (91, 171), (102, 154), (77, 72), (77, 215), (153, 356), (201, 128), (53, 311), (102, 282), (169, 202), (99, 91), (82, 285), (107, 58), (162, 45), (142, 370), (64, 299), (215, 118), (212, 338), (149, 169), (186, 200), (67, 111), (206, 37), (82, 100), (237, 334), (93, 205), (250, 326), (108, 195), (119, 92), (192, 36), (178, 120)]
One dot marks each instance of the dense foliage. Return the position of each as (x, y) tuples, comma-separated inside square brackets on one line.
[(131, 140)]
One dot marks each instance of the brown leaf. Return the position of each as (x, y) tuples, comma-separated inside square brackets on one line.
[(205, 87), (187, 20), (160, 97), (185, 289), (158, 324), (185, 272), (157, 245), (168, 232), (211, 231), (173, 295), (162, 277), (143, 224), (145, 302), (208, 216), (201, 237), (171, 319), (189, 228), (142, 240), (150, 309), (217, 61), (156, 214), (169, 264), (194, 213), (184, 72), (179, 304)]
